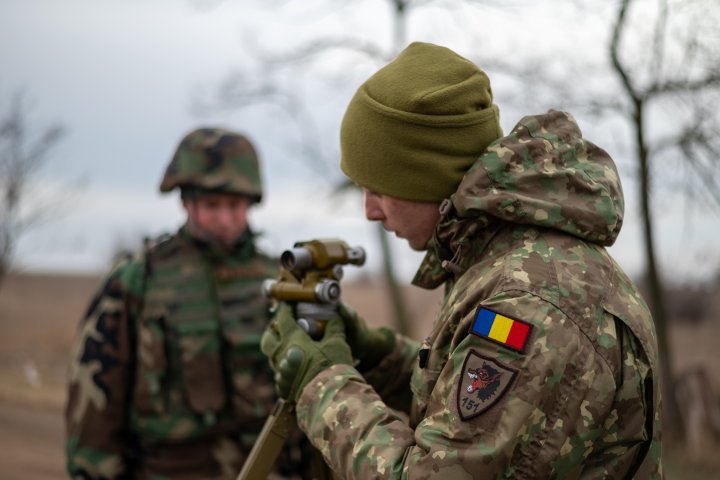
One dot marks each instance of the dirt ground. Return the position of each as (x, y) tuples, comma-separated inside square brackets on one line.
[(38, 316)]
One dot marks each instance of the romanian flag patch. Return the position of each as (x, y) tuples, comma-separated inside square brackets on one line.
[(500, 329)]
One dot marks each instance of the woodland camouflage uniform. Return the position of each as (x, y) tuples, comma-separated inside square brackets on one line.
[(574, 395), (167, 379)]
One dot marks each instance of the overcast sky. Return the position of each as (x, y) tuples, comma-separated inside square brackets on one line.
[(126, 79)]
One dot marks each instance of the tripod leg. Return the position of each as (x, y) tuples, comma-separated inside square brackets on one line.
[(272, 437)]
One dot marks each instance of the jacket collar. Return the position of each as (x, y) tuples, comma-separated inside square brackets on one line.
[(456, 245)]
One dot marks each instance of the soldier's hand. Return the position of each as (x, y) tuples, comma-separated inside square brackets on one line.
[(368, 345), (295, 357)]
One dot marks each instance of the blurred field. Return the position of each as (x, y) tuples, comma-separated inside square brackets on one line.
[(39, 313)]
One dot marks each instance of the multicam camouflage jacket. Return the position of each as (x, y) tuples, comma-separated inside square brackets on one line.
[(543, 361), (167, 379)]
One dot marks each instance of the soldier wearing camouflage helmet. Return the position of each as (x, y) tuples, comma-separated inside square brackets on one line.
[(167, 379), (543, 361)]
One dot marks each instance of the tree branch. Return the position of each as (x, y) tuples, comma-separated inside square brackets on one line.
[(318, 47), (615, 50)]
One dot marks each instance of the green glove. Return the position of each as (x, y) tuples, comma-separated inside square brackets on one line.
[(295, 357), (369, 345)]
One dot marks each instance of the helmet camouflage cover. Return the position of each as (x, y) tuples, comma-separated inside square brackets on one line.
[(217, 160)]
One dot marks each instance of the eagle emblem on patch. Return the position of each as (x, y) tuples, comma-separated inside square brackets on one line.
[(484, 381)]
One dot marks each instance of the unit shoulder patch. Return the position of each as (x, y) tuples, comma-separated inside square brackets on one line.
[(500, 329), (483, 382)]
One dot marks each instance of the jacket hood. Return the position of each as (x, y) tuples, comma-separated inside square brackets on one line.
[(541, 174), (545, 174)]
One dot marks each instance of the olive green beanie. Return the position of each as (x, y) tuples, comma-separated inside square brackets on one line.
[(416, 126)]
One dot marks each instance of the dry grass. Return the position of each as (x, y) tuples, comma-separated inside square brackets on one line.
[(39, 314)]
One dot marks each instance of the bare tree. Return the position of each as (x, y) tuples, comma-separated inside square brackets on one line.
[(678, 77), (21, 158)]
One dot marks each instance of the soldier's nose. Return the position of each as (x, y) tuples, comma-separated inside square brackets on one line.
[(224, 217), (373, 209)]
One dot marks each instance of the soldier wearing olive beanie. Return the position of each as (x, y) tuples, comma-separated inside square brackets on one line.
[(515, 228), (414, 128)]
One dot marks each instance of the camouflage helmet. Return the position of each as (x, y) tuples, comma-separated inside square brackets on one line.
[(217, 160)]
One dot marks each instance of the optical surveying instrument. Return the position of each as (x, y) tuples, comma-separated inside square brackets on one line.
[(309, 280)]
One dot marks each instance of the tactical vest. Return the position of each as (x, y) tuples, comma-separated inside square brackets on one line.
[(199, 367)]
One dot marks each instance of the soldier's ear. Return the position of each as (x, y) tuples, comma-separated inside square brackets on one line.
[(188, 204)]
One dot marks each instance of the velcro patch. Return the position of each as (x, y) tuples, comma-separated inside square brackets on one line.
[(483, 382), (500, 329)]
